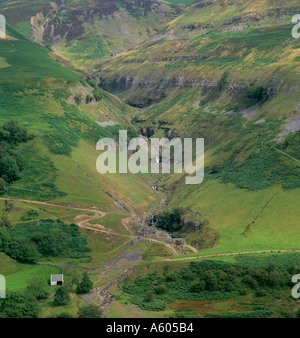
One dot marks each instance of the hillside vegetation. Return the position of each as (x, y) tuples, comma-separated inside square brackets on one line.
[(247, 288), (40, 94), (72, 72), (228, 71), (48, 155), (88, 31)]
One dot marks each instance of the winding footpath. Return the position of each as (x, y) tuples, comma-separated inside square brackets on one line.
[(231, 254)]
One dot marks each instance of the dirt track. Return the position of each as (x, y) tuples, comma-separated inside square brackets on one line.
[(231, 254)]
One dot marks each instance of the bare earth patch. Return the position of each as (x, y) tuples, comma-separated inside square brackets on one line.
[(292, 125)]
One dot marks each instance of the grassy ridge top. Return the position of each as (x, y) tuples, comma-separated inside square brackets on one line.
[(88, 31)]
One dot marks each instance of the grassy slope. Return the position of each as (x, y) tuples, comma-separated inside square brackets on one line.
[(31, 73), (34, 89)]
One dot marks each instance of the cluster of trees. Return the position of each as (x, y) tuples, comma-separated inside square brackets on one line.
[(25, 303), (258, 93), (171, 221), (19, 304), (11, 163), (97, 93), (16, 248), (209, 280), (83, 286), (27, 242)]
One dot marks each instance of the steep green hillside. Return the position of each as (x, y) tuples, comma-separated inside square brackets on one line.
[(40, 94)]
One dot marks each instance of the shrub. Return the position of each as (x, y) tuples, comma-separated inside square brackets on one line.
[(198, 287), (13, 133), (89, 311), (38, 288), (260, 293), (257, 93), (9, 169), (161, 289), (98, 95), (224, 79), (78, 99), (171, 276), (149, 296), (88, 99), (92, 82)]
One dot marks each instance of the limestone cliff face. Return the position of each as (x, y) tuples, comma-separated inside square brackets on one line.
[(251, 42)]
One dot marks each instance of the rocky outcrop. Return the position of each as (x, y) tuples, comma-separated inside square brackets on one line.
[(292, 125), (105, 19)]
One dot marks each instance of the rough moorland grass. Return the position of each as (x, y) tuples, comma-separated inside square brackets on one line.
[(31, 60), (191, 283)]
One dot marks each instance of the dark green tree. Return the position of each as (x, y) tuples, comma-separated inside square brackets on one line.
[(62, 296), (170, 221), (13, 133), (37, 287), (72, 278), (171, 276), (211, 281), (9, 169), (92, 82), (88, 99), (23, 251), (85, 285), (5, 222)]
